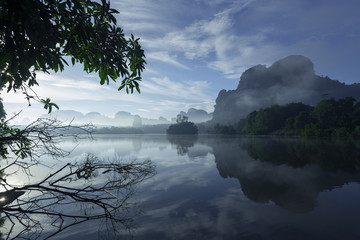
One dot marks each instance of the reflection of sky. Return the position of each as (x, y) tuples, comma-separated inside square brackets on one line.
[(188, 199)]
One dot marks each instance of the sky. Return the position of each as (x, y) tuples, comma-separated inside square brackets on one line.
[(195, 48)]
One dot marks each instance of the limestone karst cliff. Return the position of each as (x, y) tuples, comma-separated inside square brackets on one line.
[(291, 79)]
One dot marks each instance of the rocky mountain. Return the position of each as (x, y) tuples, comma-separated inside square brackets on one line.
[(196, 115), (291, 79)]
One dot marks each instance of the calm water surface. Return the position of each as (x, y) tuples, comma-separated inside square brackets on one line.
[(213, 187)]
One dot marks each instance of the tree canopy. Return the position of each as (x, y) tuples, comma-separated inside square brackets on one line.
[(38, 35), (330, 117), (42, 35), (183, 126)]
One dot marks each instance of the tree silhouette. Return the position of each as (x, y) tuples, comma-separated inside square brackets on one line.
[(36, 35), (182, 126)]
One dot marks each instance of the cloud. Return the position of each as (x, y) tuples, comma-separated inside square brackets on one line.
[(196, 40), (240, 34), (215, 42), (185, 90), (210, 38), (165, 57)]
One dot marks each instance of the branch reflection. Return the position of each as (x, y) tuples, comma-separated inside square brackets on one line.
[(94, 189)]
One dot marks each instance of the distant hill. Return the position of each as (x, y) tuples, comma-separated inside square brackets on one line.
[(121, 118), (291, 79)]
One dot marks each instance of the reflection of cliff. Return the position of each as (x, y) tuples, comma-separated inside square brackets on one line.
[(275, 179), (330, 155), (291, 79)]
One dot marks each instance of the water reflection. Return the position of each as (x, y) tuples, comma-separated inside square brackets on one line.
[(275, 200), (287, 190), (183, 142), (289, 172), (330, 155), (90, 190)]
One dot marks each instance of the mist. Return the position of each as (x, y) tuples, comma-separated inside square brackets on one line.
[(288, 80)]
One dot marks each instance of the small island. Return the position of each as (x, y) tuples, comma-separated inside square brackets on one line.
[(182, 126)]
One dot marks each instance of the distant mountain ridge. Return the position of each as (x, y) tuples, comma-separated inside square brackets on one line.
[(123, 118), (291, 79)]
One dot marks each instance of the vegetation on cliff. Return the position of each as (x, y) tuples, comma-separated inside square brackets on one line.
[(289, 80), (329, 118)]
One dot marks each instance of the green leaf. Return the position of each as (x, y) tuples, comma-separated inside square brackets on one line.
[(121, 87)]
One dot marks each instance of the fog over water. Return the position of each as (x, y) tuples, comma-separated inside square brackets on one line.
[(213, 187)]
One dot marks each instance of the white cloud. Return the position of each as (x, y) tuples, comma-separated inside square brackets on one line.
[(245, 33), (197, 40), (186, 90), (213, 40), (165, 57)]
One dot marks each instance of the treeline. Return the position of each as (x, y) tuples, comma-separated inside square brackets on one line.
[(330, 117), (146, 129), (118, 130)]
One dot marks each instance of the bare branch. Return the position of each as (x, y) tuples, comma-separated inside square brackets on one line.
[(94, 189), (104, 196)]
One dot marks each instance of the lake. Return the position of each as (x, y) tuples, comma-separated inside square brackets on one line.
[(228, 187)]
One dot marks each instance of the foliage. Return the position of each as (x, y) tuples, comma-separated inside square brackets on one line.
[(240, 126), (118, 130), (224, 129), (182, 126), (330, 117), (181, 118), (267, 120), (37, 35)]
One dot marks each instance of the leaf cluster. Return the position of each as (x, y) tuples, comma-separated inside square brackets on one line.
[(37, 35), (15, 140)]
